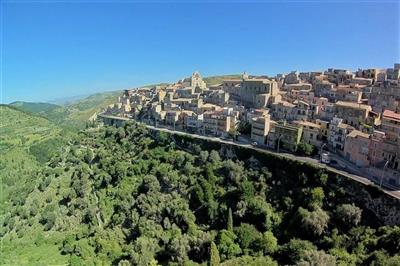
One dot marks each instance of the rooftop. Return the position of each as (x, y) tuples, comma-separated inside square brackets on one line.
[(286, 104), (307, 123), (353, 105), (391, 115), (357, 133), (343, 125)]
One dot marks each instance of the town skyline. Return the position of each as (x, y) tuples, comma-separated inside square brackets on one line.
[(53, 50), (67, 98), (355, 115)]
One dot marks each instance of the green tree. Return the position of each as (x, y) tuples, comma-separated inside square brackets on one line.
[(226, 244), (233, 133), (305, 149), (317, 197), (214, 157), (230, 221), (247, 235), (144, 250), (214, 257), (317, 258), (88, 157), (295, 250), (203, 156), (268, 243), (348, 214), (314, 222), (250, 261)]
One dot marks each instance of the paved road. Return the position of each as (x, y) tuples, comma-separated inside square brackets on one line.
[(394, 192), (363, 180)]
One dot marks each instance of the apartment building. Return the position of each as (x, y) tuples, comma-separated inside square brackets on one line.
[(337, 133), (260, 128), (194, 123), (391, 125), (301, 110), (393, 73), (311, 132), (356, 148), (323, 128), (216, 123), (172, 117), (383, 96), (354, 114), (391, 144), (288, 135), (283, 111), (292, 78), (219, 97)]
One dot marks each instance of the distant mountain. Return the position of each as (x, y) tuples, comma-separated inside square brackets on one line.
[(68, 100), (75, 114)]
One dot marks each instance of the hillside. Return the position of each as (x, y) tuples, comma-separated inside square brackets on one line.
[(36, 108), (124, 196), (26, 143), (214, 80), (73, 115)]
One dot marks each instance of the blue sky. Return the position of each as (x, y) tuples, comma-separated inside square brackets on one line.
[(53, 50)]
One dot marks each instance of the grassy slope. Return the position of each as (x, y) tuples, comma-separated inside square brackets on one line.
[(214, 80), (24, 142), (80, 112), (37, 108)]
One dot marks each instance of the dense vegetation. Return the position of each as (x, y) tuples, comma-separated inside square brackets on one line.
[(125, 196), (26, 142)]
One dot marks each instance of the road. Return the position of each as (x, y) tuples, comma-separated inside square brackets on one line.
[(392, 191), (360, 179)]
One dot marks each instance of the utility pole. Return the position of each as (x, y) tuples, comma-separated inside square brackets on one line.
[(279, 142), (383, 173), (321, 151)]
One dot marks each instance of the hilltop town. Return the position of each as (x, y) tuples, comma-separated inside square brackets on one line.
[(353, 115)]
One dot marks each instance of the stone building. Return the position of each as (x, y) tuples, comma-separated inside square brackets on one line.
[(256, 92), (354, 114), (216, 123), (292, 78), (283, 111), (311, 133), (260, 128), (194, 123), (288, 136), (337, 133), (197, 81), (356, 148), (393, 73)]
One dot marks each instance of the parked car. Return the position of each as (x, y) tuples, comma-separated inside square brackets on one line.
[(325, 158)]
